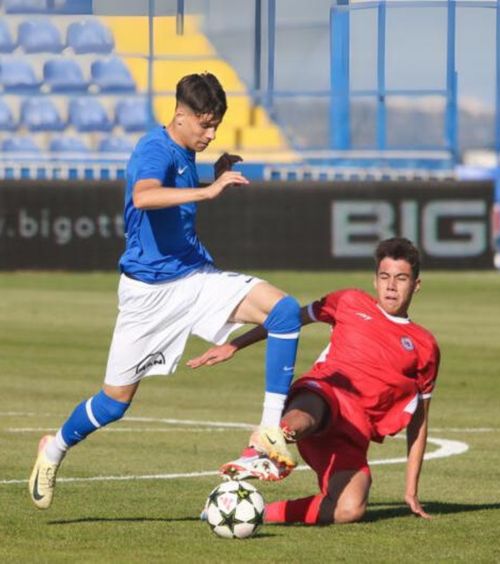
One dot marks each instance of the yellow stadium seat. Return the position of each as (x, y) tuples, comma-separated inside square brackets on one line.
[(246, 128), (164, 107), (168, 73), (262, 137)]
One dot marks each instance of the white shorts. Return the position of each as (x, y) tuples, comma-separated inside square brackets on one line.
[(155, 320)]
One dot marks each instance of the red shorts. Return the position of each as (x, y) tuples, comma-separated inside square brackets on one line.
[(343, 444)]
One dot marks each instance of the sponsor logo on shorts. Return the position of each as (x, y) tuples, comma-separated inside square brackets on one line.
[(407, 344), (151, 360)]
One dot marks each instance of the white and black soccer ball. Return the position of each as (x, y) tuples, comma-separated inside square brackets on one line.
[(235, 510)]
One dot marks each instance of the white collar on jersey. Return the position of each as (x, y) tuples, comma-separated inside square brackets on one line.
[(394, 319)]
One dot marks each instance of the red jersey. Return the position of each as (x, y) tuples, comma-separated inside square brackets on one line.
[(377, 363)]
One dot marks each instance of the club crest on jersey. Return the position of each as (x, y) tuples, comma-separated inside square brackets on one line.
[(407, 344)]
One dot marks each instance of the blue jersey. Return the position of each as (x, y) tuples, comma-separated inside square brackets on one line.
[(161, 244)]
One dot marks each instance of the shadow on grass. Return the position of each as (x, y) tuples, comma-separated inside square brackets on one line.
[(81, 520), (380, 511), (91, 520)]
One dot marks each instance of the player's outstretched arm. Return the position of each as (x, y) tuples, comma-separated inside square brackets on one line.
[(221, 353), (224, 352), (416, 434), (149, 194)]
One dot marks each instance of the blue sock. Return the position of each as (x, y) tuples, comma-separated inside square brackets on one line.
[(91, 414), (283, 327)]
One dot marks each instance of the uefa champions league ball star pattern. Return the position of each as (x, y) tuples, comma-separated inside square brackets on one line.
[(234, 510)]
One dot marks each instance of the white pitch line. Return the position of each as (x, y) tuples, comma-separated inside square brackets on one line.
[(465, 430), (446, 448), (121, 430), (222, 424)]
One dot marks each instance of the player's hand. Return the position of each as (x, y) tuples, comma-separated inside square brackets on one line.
[(224, 163), (415, 507), (225, 180), (213, 356)]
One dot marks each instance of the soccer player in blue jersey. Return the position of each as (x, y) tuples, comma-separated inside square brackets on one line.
[(170, 288)]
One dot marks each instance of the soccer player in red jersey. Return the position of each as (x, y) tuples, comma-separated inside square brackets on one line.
[(374, 379)]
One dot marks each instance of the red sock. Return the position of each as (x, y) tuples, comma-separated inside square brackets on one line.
[(304, 510)]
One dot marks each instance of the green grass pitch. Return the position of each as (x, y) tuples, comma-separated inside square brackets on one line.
[(55, 331)]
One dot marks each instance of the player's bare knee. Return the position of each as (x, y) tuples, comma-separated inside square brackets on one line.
[(349, 513), (306, 414), (300, 422)]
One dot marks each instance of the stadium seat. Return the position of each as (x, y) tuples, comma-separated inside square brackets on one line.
[(39, 36), (87, 114), (41, 114), (89, 36), (7, 44), (17, 75), (25, 6), (68, 144), (112, 75), (64, 75), (22, 144), (115, 144), (7, 121), (132, 114)]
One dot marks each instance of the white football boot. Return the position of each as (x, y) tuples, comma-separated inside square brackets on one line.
[(266, 458), (42, 481)]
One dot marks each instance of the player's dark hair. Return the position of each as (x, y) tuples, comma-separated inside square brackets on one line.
[(398, 248), (203, 94)]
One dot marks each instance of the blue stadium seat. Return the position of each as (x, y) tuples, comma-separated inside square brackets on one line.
[(64, 75), (7, 44), (89, 36), (132, 114), (68, 144), (112, 75), (116, 144), (17, 75), (40, 114), (22, 144), (88, 114), (7, 121), (25, 6), (39, 36)]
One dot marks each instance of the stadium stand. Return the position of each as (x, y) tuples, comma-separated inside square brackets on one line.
[(25, 6), (90, 76), (115, 144), (89, 36), (112, 75), (7, 44), (69, 146), (17, 75), (39, 36), (41, 114), (178, 55), (132, 114), (64, 75), (20, 144), (7, 120), (87, 114)]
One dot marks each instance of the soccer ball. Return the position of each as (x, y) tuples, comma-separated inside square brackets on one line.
[(234, 510)]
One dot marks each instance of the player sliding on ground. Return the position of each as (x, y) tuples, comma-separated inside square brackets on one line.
[(170, 288), (374, 379)]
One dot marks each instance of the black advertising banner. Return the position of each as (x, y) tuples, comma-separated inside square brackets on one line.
[(316, 226), (337, 225), (60, 225)]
